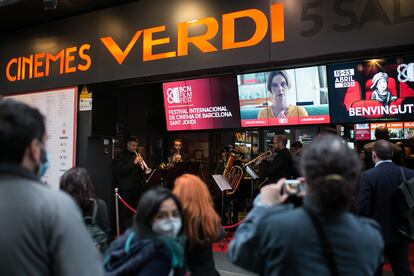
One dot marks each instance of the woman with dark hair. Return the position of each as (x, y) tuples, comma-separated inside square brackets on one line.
[(203, 223), (77, 183), (154, 246), (278, 84), (320, 238)]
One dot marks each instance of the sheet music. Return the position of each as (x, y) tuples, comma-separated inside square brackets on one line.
[(221, 182)]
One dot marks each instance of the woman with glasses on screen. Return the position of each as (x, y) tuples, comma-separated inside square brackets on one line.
[(278, 84)]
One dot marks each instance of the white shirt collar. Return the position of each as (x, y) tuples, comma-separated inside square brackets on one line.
[(382, 161)]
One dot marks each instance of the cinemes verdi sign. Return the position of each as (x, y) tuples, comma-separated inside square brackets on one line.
[(150, 38), (38, 65)]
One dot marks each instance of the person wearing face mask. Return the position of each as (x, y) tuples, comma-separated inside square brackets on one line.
[(154, 245), (35, 218), (278, 85)]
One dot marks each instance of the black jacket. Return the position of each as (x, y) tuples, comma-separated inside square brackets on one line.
[(200, 258), (128, 175), (375, 197), (281, 166)]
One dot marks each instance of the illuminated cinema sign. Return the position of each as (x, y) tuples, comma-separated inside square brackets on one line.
[(75, 58)]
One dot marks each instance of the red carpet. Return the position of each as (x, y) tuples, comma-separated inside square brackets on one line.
[(387, 266), (222, 246)]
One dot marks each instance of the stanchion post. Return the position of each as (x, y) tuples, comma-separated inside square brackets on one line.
[(117, 212)]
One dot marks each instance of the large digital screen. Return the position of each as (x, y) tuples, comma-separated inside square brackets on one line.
[(372, 90), (284, 97), (208, 103)]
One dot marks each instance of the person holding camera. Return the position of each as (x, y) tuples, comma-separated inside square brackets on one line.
[(319, 238)]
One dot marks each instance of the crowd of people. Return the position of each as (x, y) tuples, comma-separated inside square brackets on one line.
[(345, 225)]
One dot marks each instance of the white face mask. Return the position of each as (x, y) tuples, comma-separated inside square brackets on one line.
[(167, 227)]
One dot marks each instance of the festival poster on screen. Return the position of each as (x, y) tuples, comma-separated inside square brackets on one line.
[(284, 97), (362, 132), (208, 103), (59, 108), (372, 90)]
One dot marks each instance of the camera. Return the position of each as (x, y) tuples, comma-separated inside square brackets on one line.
[(292, 187)]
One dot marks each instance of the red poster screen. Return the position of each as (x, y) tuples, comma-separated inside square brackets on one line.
[(362, 132), (284, 97), (372, 90), (208, 103)]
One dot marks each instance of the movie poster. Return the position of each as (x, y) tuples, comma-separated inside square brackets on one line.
[(372, 90), (362, 132), (284, 97), (59, 107), (209, 103)]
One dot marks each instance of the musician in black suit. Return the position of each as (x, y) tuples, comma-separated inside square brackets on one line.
[(375, 200), (279, 165), (129, 178)]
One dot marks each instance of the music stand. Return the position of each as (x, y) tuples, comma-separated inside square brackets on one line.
[(223, 185), (254, 176)]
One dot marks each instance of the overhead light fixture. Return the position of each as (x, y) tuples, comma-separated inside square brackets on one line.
[(50, 4)]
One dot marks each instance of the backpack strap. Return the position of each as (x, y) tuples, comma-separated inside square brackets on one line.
[(323, 242), (95, 210), (403, 174), (406, 191)]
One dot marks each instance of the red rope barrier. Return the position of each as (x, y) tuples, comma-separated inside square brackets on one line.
[(126, 204), (234, 225), (135, 211)]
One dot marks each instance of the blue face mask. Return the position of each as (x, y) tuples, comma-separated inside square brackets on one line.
[(44, 163)]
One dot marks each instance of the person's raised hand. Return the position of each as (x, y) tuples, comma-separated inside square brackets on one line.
[(271, 194)]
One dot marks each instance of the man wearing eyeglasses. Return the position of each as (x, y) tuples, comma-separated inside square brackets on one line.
[(278, 85)]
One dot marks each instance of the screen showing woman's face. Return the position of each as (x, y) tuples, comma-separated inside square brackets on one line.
[(279, 92), (279, 86)]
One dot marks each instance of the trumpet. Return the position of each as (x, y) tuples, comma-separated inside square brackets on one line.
[(143, 165), (259, 158)]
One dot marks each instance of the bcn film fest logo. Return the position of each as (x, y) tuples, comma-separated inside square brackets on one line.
[(179, 95)]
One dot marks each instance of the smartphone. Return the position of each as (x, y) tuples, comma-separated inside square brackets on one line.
[(292, 187)]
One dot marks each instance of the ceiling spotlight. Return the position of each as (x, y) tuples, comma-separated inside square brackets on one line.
[(50, 4)]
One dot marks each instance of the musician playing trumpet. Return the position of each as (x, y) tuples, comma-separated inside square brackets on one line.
[(129, 177), (280, 164)]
